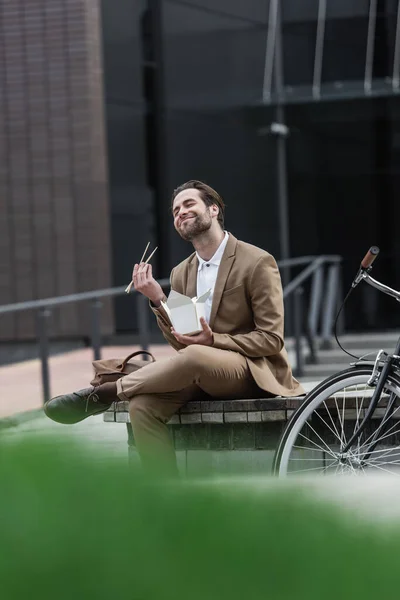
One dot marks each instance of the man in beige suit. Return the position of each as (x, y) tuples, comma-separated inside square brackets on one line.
[(239, 353)]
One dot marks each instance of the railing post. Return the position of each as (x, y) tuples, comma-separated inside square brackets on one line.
[(288, 310), (315, 300), (312, 358), (41, 324), (330, 306), (143, 321), (96, 305), (298, 318), (341, 324), (314, 313)]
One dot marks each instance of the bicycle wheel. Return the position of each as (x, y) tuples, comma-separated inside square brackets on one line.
[(316, 434)]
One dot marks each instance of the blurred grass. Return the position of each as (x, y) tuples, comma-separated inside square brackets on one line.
[(74, 527)]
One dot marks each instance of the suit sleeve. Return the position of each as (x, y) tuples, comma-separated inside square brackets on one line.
[(164, 323), (265, 290)]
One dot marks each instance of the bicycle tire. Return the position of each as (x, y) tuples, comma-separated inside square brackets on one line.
[(318, 398)]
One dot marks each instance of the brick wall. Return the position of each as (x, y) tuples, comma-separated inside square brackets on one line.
[(54, 214)]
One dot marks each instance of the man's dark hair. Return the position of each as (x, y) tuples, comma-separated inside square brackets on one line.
[(208, 195)]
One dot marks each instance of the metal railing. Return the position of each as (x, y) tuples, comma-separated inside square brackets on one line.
[(324, 299), (324, 296), (315, 89)]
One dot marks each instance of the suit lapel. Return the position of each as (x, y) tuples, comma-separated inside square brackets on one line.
[(191, 282), (224, 268)]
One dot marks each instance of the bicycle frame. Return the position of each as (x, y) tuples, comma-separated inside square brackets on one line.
[(378, 378)]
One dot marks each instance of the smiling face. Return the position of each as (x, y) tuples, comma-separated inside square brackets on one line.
[(191, 216)]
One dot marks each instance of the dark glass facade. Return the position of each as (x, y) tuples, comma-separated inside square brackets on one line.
[(184, 84), (131, 198), (344, 160)]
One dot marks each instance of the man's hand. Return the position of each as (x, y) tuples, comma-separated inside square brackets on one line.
[(205, 338), (144, 282)]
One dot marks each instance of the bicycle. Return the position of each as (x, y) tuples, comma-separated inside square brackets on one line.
[(350, 422)]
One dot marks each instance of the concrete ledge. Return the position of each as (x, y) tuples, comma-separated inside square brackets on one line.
[(220, 411), (218, 425), (245, 428)]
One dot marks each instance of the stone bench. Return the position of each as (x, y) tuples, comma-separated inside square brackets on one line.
[(206, 432)]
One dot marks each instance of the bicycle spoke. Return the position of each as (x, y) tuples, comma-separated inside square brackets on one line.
[(358, 418), (387, 434), (307, 459), (385, 449), (319, 437), (385, 470), (384, 453), (385, 420), (333, 414), (317, 449), (333, 422), (333, 464), (326, 450), (328, 426), (374, 464), (308, 470), (343, 438)]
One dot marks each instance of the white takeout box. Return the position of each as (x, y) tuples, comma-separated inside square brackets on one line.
[(185, 312)]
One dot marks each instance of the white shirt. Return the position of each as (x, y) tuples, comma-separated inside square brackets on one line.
[(207, 274)]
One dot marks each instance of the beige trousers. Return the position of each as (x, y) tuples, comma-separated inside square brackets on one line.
[(159, 389)]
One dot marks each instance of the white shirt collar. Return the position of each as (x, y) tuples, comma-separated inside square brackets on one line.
[(216, 259)]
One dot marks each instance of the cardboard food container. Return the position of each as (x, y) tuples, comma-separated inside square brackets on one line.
[(185, 313)]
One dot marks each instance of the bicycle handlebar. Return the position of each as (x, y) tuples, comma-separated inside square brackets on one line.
[(370, 257), (363, 274)]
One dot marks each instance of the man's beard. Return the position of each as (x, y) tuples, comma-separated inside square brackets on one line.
[(196, 226)]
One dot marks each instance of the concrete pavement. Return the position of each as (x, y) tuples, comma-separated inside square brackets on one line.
[(20, 383)]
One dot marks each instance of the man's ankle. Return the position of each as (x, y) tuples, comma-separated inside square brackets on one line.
[(107, 393)]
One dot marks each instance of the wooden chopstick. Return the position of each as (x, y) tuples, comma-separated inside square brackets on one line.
[(144, 253), (151, 255), (129, 287)]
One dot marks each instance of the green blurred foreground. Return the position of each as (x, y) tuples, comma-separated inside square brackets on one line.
[(72, 527)]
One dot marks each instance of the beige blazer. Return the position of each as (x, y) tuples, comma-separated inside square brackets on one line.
[(246, 313)]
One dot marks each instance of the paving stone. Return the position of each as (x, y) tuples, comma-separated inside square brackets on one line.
[(191, 407), (254, 417), (109, 417), (194, 437), (243, 436), (212, 406), (268, 434), (241, 405), (273, 404), (217, 417), (174, 420), (219, 437), (122, 418), (294, 402), (235, 417), (180, 436), (273, 415), (188, 419), (197, 437)]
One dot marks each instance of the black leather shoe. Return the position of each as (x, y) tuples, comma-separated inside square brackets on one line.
[(75, 407)]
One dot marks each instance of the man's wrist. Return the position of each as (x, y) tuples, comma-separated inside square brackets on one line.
[(156, 302)]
